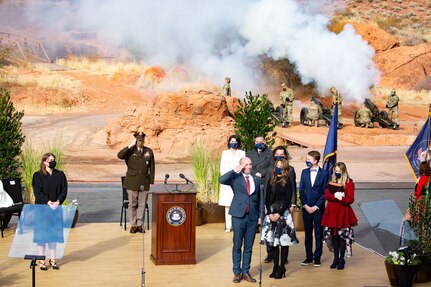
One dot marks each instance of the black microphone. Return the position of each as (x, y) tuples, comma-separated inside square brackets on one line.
[(185, 178), (166, 178), (142, 187)]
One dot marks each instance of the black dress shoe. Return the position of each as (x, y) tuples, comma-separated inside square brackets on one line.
[(237, 278), (140, 229), (247, 277), (274, 272), (133, 229), (306, 262), (268, 259), (334, 264)]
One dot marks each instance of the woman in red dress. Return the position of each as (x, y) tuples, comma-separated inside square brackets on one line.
[(424, 175), (339, 218)]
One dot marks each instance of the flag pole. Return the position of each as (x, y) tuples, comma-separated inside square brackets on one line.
[(428, 134)]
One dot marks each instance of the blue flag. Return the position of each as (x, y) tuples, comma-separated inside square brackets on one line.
[(330, 152), (420, 148)]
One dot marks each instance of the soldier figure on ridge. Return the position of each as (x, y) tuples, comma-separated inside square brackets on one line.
[(226, 87)]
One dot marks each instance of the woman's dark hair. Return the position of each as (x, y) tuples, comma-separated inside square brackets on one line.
[(424, 169), (42, 166), (285, 174), (277, 148), (237, 140)]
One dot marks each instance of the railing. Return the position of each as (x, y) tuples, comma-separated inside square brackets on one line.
[(23, 49)]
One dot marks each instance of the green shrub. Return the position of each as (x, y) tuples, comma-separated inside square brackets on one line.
[(11, 137), (200, 166), (252, 118), (420, 221)]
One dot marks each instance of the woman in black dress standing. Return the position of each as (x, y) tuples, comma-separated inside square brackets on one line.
[(278, 230), (50, 190)]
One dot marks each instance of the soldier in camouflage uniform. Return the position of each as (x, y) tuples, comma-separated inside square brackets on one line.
[(286, 98), (314, 111), (392, 106), (337, 98), (363, 117), (226, 87)]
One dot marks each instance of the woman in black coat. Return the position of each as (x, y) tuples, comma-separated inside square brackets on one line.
[(50, 191), (278, 230)]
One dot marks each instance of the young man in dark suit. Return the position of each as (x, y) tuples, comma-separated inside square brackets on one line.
[(244, 209), (312, 193)]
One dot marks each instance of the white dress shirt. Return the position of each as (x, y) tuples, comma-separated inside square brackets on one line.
[(250, 178), (313, 174)]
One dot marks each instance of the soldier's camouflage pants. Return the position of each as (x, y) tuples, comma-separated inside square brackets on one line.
[(287, 113), (340, 119), (393, 115)]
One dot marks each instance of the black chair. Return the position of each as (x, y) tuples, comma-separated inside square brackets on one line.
[(13, 188), (125, 206)]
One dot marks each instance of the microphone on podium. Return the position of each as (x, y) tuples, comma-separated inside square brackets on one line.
[(185, 178), (166, 178)]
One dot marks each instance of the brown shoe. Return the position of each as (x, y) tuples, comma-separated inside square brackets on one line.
[(133, 229), (237, 278), (140, 229), (247, 277)]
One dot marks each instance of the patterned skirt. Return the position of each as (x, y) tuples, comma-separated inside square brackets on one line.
[(345, 234), (280, 233)]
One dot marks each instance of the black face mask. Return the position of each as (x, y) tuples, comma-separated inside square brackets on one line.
[(52, 164)]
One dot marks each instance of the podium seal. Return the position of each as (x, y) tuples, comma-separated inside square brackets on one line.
[(175, 216)]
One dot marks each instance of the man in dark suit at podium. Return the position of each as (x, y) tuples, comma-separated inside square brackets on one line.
[(244, 209), (314, 181)]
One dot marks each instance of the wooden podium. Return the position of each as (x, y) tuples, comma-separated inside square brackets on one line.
[(173, 223)]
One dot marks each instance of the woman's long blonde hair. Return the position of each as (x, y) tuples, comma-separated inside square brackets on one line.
[(344, 174)]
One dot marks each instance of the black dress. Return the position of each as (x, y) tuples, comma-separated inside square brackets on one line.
[(278, 200), (48, 226)]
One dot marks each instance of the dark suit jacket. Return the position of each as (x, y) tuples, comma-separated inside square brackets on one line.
[(313, 195), (240, 196), (261, 163), (140, 167)]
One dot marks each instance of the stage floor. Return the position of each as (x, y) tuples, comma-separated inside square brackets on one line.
[(103, 254)]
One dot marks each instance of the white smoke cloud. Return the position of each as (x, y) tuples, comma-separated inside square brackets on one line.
[(282, 29), (216, 38)]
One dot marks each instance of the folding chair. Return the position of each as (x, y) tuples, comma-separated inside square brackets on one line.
[(125, 206), (13, 188)]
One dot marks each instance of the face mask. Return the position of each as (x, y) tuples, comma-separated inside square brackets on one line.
[(52, 164), (279, 157), (233, 145), (279, 170), (260, 146), (337, 174), (308, 163)]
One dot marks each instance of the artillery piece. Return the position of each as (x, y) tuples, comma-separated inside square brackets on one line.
[(381, 117), (325, 115), (277, 114)]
